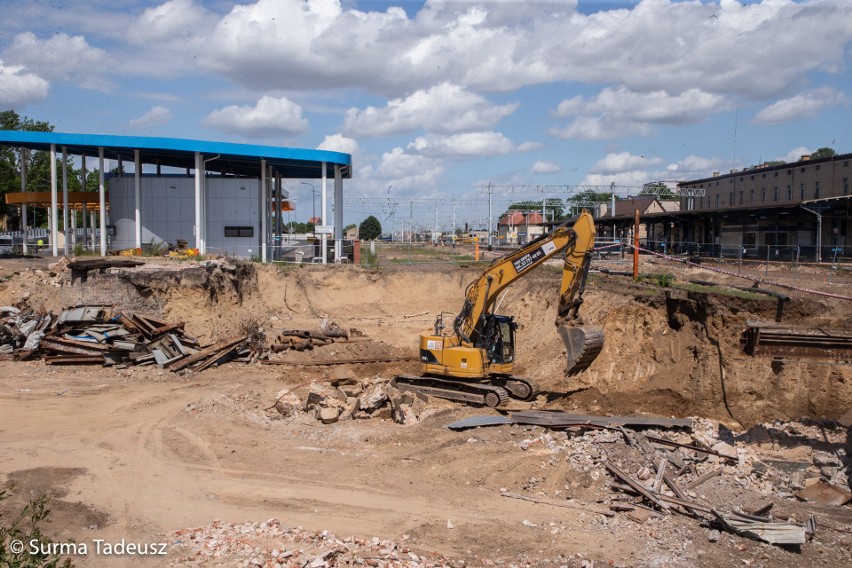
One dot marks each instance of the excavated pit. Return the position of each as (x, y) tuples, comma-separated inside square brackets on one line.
[(667, 352)]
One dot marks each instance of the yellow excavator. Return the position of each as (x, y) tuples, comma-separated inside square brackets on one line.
[(472, 362)]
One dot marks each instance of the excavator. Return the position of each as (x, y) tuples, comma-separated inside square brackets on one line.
[(472, 362)]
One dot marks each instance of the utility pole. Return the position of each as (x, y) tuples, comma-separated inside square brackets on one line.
[(490, 193)]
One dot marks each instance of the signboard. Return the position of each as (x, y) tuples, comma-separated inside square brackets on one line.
[(324, 229), (532, 257)]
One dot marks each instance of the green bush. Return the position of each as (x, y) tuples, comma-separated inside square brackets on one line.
[(26, 529)]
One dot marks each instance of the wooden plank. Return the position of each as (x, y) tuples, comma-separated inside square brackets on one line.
[(557, 503), (74, 360), (661, 471), (50, 345), (696, 482), (167, 328), (204, 353), (678, 493), (81, 344), (638, 487)]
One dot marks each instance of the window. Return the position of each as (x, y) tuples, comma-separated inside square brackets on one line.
[(789, 192), (717, 201), (845, 186), (239, 231), (802, 170), (775, 193), (817, 167), (802, 191), (741, 197), (752, 176), (790, 172), (751, 196), (731, 198), (816, 190), (763, 195), (763, 176), (775, 174)]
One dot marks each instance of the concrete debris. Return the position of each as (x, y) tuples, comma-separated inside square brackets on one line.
[(271, 544), (345, 398)]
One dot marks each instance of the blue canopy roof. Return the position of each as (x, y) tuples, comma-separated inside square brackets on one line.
[(236, 159)]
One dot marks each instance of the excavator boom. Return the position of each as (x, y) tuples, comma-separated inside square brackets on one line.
[(478, 355)]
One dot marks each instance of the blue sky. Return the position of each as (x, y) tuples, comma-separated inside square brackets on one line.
[(434, 99)]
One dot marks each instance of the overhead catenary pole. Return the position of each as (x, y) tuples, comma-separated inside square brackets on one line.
[(636, 245), (490, 193)]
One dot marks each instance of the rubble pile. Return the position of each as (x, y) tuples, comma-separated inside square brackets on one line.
[(710, 475), (347, 398), (102, 335), (271, 545)]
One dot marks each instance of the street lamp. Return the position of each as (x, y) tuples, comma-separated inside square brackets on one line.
[(313, 204)]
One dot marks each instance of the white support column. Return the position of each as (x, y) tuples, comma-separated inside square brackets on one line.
[(102, 197), (137, 195), (199, 166), (24, 154), (54, 203), (65, 199), (263, 213), (324, 220), (85, 209), (338, 214)]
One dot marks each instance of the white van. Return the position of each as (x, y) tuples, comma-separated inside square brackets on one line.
[(7, 245)]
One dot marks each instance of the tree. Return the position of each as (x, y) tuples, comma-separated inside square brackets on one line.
[(38, 163), (823, 153), (660, 190), (555, 208), (369, 229)]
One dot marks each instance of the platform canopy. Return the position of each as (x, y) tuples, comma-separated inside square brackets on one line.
[(234, 159)]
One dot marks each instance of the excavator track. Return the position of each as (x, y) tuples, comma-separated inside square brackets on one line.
[(481, 393), (522, 389)]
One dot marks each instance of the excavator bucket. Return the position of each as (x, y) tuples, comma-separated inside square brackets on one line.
[(582, 344)]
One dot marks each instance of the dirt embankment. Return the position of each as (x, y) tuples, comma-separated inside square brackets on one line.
[(669, 357)]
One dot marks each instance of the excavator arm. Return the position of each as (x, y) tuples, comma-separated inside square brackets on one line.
[(576, 237)]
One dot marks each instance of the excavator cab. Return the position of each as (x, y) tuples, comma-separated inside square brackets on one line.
[(498, 339)]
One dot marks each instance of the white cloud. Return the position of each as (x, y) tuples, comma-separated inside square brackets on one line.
[(656, 45), (270, 117), (631, 178), (178, 23), (462, 146), (805, 105), (408, 171), (697, 166), (622, 162), (618, 112), (444, 109), (570, 107), (157, 116), (18, 87), (339, 143), (60, 58), (795, 154), (545, 167), (599, 128)]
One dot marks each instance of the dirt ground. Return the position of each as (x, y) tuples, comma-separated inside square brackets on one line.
[(139, 453)]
